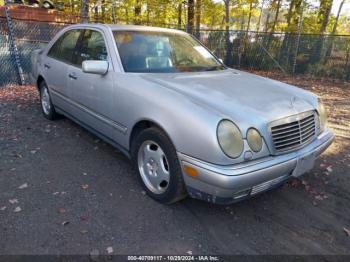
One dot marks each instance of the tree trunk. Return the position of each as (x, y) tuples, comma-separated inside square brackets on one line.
[(84, 11), (290, 12), (334, 31), (283, 56), (148, 11), (323, 19), (103, 11), (276, 16), (190, 16), (324, 13), (137, 12), (198, 17), (228, 56), (250, 15), (179, 16), (260, 15), (267, 23), (337, 18)]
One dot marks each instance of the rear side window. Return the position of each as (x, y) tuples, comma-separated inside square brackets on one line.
[(92, 47), (64, 47)]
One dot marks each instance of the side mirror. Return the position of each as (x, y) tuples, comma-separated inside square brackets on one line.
[(95, 67)]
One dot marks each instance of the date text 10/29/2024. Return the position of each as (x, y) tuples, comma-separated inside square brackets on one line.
[(174, 258)]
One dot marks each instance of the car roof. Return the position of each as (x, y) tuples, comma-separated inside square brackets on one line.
[(114, 27)]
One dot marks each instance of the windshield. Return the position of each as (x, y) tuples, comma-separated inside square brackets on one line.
[(156, 52)]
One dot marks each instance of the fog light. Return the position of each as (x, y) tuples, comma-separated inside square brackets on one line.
[(191, 171)]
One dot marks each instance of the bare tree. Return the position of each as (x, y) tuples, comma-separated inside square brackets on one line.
[(324, 13), (334, 31), (229, 46), (198, 17), (84, 11), (179, 15), (250, 14), (278, 6), (190, 16), (137, 12)]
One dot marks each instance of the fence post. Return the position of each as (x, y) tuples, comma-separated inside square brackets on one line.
[(113, 12), (300, 28), (13, 46)]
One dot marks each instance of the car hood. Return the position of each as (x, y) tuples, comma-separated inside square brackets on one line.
[(239, 95)]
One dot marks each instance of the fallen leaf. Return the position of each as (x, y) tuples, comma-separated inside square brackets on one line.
[(109, 250), (25, 185), (189, 252), (330, 169), (17, 209), (55, 193), (295, 183), (33, 152), (84, 186), (84, 174), (347, 231), (64, 223), (304, 182), (13, 201), (84, 217), (3, 208), (61, 210), (83, 231), (318, 197)]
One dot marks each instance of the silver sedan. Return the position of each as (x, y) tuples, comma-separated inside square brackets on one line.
[(191, 125)]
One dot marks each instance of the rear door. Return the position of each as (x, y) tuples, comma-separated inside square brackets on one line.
[(93, 95), (56, 65)]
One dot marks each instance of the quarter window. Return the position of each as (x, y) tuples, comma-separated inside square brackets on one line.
[(64, 47), (92, 47)]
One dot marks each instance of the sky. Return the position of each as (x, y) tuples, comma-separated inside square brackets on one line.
[(345, 10)]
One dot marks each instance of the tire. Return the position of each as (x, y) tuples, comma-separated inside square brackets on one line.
[(159, 169), (47, 107)]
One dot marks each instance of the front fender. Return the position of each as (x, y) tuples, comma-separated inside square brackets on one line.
[(190, 126)]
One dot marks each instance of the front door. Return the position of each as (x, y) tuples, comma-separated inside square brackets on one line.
[(92, 94)]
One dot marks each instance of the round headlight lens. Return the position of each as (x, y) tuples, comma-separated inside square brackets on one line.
[(254, 139), (230, 139), (322, 114)]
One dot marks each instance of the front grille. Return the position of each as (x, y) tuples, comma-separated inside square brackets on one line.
[(293, 132)]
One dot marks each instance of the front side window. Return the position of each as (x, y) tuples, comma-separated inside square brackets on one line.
[(92, 47), (143, 51), (64, 47)]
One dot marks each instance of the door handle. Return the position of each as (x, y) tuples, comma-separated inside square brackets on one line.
[(72, 76), (47, 66)]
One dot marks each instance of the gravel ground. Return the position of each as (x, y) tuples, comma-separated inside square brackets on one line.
[(64, 191)]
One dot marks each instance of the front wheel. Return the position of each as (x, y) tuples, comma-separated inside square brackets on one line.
[(46, 103), (158, 166)]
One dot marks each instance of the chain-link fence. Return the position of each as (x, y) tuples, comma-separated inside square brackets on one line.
[(314, 55)]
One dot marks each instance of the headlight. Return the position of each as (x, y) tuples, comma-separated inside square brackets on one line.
[(230, 139), (322, 114), (254, 139)]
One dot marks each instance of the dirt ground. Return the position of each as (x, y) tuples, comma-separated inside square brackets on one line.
[(64, 191)]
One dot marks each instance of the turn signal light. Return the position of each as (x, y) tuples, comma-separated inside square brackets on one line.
[(191, 171)]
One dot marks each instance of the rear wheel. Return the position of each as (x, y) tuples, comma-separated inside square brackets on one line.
[(46, 103), (158, 166)]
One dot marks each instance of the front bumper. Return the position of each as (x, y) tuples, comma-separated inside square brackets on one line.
[(228, 184)]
